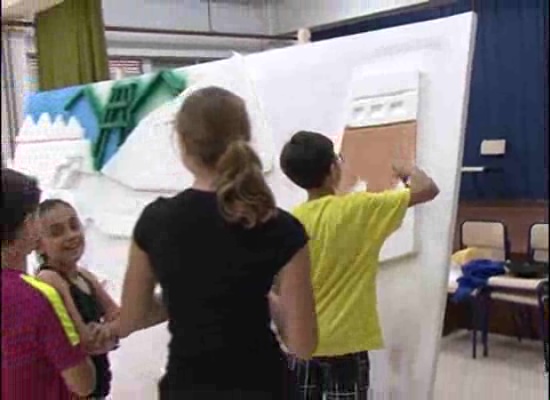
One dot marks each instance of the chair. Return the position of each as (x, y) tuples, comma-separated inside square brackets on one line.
[(538, 252), (538, 243), (528, 294), (490, 239), (542, 295)]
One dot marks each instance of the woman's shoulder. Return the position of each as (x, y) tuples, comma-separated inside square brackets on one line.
[(158, 213), (285, 222), (157, 205), (286, 216), (166, 204), (157, 208), (286, 236)]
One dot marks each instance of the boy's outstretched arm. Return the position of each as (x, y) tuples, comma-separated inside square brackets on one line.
[(422, 187)]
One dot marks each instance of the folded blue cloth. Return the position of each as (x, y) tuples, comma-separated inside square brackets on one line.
[(475, 275)]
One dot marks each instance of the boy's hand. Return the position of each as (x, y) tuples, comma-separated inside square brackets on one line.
[(401, 170), (402, 166)]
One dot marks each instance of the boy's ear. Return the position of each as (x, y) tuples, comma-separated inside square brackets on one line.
[(335, 175), (31, 228)]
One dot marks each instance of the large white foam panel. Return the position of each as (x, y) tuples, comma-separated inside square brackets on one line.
[(308, 87), (155, 139)]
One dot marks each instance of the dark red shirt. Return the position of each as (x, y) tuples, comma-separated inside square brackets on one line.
[(39, 341)]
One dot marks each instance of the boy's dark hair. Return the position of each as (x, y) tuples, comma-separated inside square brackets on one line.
[(307, 159), (21, 196)]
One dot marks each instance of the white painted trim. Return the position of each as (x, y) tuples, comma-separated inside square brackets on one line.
[(375, 111), (383, 98)]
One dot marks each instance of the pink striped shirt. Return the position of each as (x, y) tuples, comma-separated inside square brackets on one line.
[(38, 340)]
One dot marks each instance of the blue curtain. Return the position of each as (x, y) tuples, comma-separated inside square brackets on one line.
[(509, 98)]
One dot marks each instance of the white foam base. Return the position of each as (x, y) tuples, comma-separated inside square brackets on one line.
[(307, 88)]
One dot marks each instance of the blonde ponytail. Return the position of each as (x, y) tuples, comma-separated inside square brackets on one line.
[(215, 130), (243, 194)]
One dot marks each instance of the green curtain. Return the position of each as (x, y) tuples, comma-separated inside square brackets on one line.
[(71, 45)]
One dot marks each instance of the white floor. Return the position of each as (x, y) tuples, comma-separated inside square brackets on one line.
[(512, 371)]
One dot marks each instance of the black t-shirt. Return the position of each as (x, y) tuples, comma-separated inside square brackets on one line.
[(215, 277)]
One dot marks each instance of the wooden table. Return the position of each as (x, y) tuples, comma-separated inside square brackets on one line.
[(505, 289)]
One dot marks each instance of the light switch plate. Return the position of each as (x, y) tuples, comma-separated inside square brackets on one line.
[(493, 147)]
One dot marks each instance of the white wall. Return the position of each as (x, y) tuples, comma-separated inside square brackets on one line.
[(14, 85), (290, 15), (188, 15), (145, 45), (6, 134), (25, 8), (234, 17)]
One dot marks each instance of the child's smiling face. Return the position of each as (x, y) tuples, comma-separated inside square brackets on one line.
[(61, 235)]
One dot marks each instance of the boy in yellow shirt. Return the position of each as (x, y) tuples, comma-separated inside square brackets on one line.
[(346, 235)]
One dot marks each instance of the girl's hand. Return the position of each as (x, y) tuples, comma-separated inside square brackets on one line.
[(104, 339), (88, 335)]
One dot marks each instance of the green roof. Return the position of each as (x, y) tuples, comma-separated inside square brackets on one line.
[(88, 93), (176, 84)]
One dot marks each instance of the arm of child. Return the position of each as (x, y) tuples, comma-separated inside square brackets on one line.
[(374, 216), (112, 310), (422, 187), (58, 283), (384, 212), (293, 310), (60, 344), (140, 307)]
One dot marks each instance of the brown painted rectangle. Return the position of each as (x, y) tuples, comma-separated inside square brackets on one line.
[(369, 152)]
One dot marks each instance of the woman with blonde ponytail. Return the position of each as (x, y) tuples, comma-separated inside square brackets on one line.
[(215, 250)]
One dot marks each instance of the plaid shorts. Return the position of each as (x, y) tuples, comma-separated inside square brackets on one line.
[(332, 378)]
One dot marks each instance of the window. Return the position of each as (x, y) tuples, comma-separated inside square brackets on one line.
[(127, 66), (32, 75)]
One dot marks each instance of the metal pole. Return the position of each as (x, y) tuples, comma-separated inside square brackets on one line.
[(131, 29)]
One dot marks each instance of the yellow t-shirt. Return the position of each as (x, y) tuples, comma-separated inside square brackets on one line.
[(346, 235)]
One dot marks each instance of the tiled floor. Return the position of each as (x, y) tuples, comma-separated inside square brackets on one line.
[(513, 370), (137, 365)]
